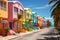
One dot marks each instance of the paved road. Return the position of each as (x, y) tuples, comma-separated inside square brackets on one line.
[(45, 34)]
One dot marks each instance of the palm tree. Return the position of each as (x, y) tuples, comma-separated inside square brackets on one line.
[(55, 13), (48, 23)]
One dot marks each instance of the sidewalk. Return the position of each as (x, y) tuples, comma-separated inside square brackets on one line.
[(19, 35)]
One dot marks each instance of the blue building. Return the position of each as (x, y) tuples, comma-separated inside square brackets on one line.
[(34, 19)]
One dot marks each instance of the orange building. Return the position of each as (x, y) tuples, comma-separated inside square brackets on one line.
[(3, 13), (39, 21)]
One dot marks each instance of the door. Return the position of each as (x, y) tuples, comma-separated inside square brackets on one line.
[(10, 24)]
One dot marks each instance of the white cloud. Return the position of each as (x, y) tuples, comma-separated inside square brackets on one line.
[(44, 6), (48, 18)]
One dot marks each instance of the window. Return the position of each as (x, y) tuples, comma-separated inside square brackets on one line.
[(15, 10), (27, 14), (2, 5), (21, 11)]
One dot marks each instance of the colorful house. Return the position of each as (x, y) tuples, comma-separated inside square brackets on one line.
[(14, 8), (34, 15), (28, 17), (28, 13), (3, 13), (44, 22), (40, 22)]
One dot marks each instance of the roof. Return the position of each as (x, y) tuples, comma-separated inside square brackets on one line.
[(33, 12), (18, 2), (26, 8)]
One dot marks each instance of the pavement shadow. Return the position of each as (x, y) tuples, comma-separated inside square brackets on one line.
[(49, 34), (41, 39), (50, 38)]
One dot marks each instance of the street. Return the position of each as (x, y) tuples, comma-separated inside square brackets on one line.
[(46, 34)]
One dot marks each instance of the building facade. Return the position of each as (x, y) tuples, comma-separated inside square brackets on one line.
[(40, 22), (14, 8), (28, 13), (28, 17), (34, 19), (4, 13)]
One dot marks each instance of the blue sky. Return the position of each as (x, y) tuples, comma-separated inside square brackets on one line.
[(41, 7)]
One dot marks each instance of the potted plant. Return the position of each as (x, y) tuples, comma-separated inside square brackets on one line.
[(6, 31)]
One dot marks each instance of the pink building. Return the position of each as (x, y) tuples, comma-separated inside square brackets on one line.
[(14, 7)]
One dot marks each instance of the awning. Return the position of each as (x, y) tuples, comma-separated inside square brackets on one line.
[(4, 21)]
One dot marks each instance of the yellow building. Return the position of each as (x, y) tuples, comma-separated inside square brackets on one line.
[(28, 18), (28, 13), (3, 11)]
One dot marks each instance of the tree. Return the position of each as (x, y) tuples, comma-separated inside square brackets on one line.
[(55, 13), (48, 23)]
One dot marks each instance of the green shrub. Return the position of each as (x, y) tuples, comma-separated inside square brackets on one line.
[(29, 29), (7, 30)]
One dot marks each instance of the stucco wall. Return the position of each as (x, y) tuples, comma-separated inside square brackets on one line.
[(4, 13), (10, 12), (17, 5)]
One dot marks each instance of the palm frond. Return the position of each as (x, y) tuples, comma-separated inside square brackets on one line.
[(51, 1), (54, 11), (52, 14), (58, 5), (54, 6)]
